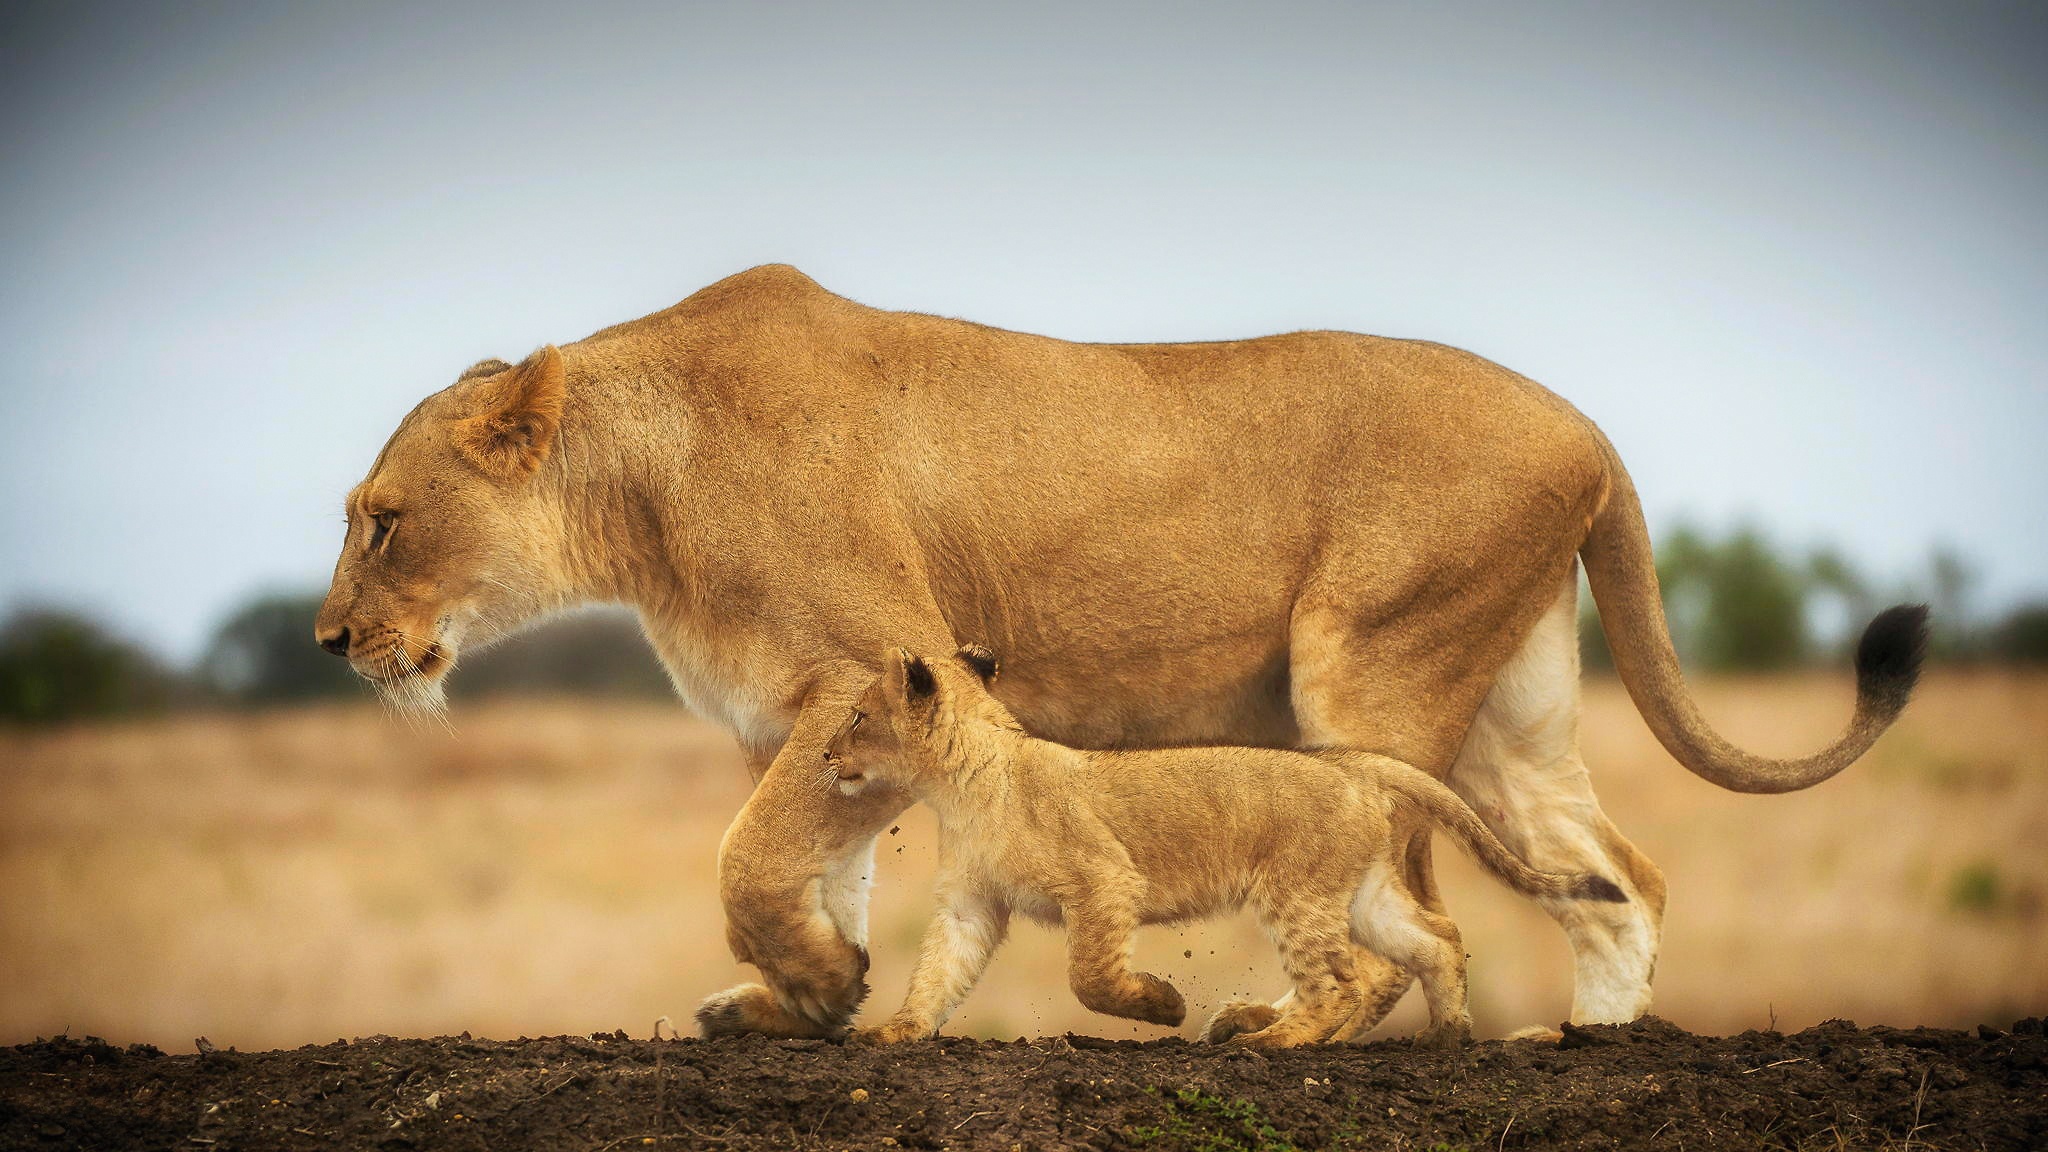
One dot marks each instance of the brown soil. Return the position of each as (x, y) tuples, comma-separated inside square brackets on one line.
[(1639, 1085)]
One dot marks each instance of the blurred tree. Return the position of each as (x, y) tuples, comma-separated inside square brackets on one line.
[(2022, 637), (57, 666), (1736, 603), (1685, 565), (1828, 571), (600, 652), (1754, 616), (1953, 636), (265, 654)]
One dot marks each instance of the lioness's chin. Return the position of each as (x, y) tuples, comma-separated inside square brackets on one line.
[(420, 686), (424, 693)]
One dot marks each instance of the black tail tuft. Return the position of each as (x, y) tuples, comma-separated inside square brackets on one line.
[(1888, 659), (1592, 887)]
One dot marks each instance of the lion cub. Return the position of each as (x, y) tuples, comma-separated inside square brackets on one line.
[(1104, 842)]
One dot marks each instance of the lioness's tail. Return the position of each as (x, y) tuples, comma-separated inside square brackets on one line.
[(1624, 581), (1454, 816)]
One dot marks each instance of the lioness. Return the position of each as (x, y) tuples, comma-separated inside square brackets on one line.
[(1319, 539), (1104, 842)]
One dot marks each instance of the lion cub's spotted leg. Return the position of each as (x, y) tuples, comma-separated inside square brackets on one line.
[(1315, 946), (1237, 1017), (1418, 876), (964, 933), (1387, 918), (1099, 932)]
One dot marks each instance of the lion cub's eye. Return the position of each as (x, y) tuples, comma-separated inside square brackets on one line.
[(858, 716), (380, 528)]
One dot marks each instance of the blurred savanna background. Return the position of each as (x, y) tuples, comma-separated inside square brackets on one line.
[(1792, 259)]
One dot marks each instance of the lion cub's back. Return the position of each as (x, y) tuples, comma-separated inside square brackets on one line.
[(1245, 803)]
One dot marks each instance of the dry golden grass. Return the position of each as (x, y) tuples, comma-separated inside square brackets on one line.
[(299, 876)]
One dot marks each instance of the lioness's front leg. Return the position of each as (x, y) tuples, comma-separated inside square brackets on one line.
[(1099, 932), (965, 931), (792, 872)]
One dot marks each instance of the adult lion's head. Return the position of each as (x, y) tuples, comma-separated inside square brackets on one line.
[(453, 536)]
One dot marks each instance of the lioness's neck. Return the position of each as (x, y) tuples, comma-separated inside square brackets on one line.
[(614, 542)]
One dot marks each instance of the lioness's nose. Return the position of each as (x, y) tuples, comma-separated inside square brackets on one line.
[(335, 641)]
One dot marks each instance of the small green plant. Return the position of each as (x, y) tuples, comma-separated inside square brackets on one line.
[(1198, 1122)]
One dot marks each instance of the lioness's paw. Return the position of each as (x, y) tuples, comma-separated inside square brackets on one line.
[(1237, 1018)]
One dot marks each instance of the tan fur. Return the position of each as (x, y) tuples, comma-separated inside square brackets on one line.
[(1106, 842), (1317, 538)]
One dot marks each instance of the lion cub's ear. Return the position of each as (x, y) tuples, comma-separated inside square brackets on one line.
[(517, 412), (918, 681), (982, 660)]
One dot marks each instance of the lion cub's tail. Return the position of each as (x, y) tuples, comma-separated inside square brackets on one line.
[(1453, 815)]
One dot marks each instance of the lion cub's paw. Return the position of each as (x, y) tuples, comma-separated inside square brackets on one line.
[(1268, 1039), (890, 1033), (1237, 1018), (1448, 1036), (1159, 1003), (741, 1008), (1540, 1032)]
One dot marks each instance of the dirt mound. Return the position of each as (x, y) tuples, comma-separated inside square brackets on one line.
[(1602, 1087)]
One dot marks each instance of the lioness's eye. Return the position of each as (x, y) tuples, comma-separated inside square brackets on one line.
[(858, 716), (380, 528)]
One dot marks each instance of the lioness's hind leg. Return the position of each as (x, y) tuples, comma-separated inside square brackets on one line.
[(1520, 771)]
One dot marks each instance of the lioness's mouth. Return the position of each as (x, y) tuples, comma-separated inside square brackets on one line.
[(396, 664)]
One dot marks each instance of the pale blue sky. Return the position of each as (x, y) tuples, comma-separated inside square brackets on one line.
[(1794, 258)]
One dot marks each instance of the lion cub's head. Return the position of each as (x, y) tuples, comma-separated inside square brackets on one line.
[(452, 536), (938, 711)]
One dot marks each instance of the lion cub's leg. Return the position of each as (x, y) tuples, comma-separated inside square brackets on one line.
[(964, 933), (1418, 876), (1387, 918), (1099, 932), (1237, 1017), (1315, 946)]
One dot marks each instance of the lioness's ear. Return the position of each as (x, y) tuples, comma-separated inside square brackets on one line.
[(490, 367), (516, 413), (982, 660), (918, 681)]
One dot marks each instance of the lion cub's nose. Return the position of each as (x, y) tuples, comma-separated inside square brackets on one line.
[(335, 641)]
